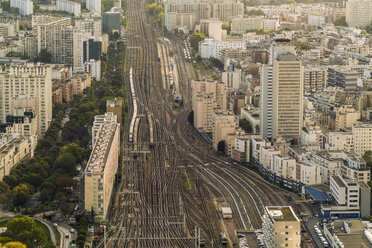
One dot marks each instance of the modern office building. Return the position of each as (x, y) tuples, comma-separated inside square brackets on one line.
[(281, 101), (287, 97), (29, 80), (94, 6), (26, 7), (359, 13), (281, 227), (69, 6), (343, 78), (99, 175), (111, 20)]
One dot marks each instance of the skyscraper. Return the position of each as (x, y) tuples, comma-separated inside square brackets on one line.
[(281, 94)]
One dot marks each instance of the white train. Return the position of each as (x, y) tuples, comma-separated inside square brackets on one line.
[(134, 116)]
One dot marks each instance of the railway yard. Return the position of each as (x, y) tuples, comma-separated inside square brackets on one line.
[(171, 183)]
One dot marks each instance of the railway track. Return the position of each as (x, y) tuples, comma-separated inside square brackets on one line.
[(152, 207)]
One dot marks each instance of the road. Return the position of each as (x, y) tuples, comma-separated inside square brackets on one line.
[(65, 230)]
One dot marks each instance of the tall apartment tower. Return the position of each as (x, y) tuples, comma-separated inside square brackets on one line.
[(94, 6), (359, 13), (281, 101), (56, 37), (29, 80)]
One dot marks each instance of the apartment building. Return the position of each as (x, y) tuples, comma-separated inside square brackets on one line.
[(100, 171), (30, 80), (283, 165), (362, 136), (57, 38), (242, 24), (212, 27), (345, 117), (211, 48), (266, 155), (315, 79), (94, 6), (26, 7), (93, 67), (329, 163), (206, 97), (91, 24), (342, 141), (12, 153), (359, 13), (8, 29), (69, 6), (312, 138), (224, 123), (308, 174), (281, 227)]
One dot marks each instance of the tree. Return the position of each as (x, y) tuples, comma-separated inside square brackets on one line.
[(368, 158), (15, 245), (254, 12), (19, 225), (4, 240), (245, 125), (5, 5), (44, 56), (195, 39), (341, 21), (226, 27), (221, 147), (216, 63)]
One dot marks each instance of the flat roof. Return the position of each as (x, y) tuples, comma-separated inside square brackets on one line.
[(287, 57), (363, 185), (339, 182), (354, 240), (286, 213)]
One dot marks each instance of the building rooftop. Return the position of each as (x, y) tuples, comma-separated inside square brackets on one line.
[(363, 185), (287, 57), (338, 180), (282, 213), (97, 160)]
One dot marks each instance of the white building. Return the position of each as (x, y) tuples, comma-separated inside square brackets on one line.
[(267, 154), (342, 141), (281, 227), (345, 192), (94, 6), (26, 7), (69, 6), (309, 174), (270, 23), (312, 138), (318, 20), (210, 48), (284, 166), (99, 175), (93, 67)]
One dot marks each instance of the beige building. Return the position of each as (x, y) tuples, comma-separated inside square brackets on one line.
[(342, 141), (283, 165), (101, 169), (207, 96), (346, 117), (315, 79), (281, 227), (287, 97), (212, 27), (224, 123), (359, 13), (25, 81), (242, 24), (362, 137), (12, 153)]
